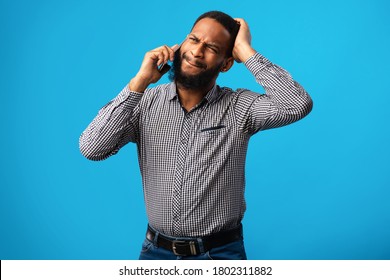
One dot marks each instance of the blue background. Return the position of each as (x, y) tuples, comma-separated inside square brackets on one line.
[(317, 189)]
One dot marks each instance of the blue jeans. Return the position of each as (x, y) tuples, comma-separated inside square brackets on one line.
[(231, 251)]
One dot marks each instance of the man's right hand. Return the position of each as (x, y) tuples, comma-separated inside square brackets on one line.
[(149, 72)]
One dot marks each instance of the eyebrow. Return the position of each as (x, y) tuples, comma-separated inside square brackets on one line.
[(210, 44)]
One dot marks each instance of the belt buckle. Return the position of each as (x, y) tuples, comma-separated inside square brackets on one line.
[(176, 243)]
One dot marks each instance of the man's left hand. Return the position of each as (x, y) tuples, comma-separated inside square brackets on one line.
[(242, 49)]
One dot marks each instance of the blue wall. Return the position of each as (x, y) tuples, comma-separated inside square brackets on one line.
[(317, 189)]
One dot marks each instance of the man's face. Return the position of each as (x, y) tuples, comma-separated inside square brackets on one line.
[(202, 55)]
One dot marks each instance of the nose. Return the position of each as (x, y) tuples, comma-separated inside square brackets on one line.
[(198, 50)]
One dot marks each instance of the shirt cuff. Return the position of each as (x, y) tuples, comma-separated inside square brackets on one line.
[(128, 98), (257, 63)]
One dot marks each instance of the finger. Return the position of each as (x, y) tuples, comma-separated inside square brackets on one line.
[(161, 54), (162, 57), (156, 56), (171, 56), (153, 55), (173, 49), (240, 20), (165, 50), (242, 23)]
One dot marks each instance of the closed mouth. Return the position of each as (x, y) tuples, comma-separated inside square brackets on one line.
[(194, 64)]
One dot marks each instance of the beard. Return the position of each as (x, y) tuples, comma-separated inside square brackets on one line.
[(201, 80)]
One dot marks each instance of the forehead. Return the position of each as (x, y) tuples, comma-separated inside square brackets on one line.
[(210, 30)]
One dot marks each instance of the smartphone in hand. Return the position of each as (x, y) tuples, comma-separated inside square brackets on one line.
[(163, 67)]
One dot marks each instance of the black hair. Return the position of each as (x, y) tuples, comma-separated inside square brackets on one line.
[(226, 21)]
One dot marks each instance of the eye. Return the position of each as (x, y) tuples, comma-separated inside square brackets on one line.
[(213, 49), (193, 39)]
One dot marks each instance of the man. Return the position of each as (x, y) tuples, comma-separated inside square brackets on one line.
[(192, 137)]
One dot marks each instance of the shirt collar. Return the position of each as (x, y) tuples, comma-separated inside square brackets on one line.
[(210, 96), (172, 91)]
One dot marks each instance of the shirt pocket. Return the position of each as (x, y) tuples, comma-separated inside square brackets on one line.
[(212, 144), (212, 128)]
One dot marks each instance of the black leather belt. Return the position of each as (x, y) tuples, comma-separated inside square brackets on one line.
[(191, 247)]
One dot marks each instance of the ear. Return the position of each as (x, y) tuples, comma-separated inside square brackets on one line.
[(227, 64)]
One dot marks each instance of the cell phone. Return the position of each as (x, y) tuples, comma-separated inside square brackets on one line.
[(163, 66)]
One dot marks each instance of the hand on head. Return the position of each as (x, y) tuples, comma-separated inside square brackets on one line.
[(242, 49)]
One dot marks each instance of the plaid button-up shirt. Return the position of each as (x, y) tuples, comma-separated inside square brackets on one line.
[(192, 163)]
